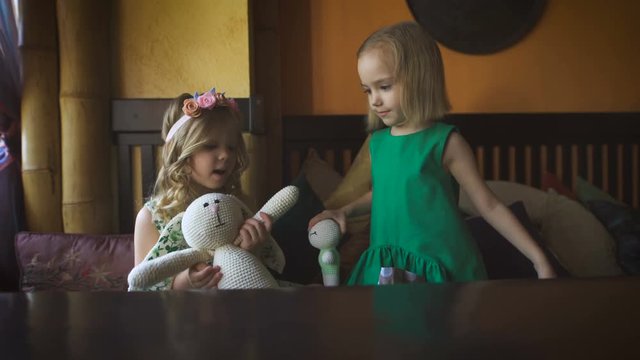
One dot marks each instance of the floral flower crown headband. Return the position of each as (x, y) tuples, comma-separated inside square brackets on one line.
[(193, 108)]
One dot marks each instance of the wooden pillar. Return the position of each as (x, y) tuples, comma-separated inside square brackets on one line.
[(83, 28), (40, 121), (265, 83)]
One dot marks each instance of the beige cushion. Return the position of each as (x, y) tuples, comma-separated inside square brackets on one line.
[(579, 241), (321, 176), (509, 192), (354, 245), (356, 182)]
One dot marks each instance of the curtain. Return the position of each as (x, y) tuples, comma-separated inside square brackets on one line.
[(11, 200)]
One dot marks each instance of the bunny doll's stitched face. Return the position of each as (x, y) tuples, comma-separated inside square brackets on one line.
[(212, 220)]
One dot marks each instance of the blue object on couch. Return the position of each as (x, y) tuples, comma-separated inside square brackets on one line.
[(11, 222), (623, 223)]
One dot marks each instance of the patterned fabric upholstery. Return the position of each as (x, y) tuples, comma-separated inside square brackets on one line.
[(55, 261)]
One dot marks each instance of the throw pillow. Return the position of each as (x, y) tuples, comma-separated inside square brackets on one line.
[(623, 223), (356, 182), (322, 177), (290, 231), (502, 260), (581, 243), (551, 181), (350, 250), (585, 192), (509, 192), (73, 262)]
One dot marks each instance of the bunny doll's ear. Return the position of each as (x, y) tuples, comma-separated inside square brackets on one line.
[(175, 223), (246, 212)]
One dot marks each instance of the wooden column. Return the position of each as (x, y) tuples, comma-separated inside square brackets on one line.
[(83, 28), (40, 121), (266, 83)]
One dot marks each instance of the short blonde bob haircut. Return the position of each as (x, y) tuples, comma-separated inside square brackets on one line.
[(418, 68), (174, 190)]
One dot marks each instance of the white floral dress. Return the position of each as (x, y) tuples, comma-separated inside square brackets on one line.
[(171, 239)]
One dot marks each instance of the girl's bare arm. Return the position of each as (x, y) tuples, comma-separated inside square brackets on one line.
[(145, 235), (458, 158), (360, 206)]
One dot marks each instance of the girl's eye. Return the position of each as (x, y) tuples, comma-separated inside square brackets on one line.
[(385, 87), (366, 91), (210, 146)]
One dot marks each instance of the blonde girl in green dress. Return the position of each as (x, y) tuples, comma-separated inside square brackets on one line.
[(203, 152), (417, 166)]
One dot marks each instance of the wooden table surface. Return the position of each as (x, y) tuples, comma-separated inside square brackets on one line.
[(519, 319)]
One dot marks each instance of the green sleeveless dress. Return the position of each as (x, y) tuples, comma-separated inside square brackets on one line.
[(415, 222)]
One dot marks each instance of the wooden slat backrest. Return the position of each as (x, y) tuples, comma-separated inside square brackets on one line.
[(599, 147)]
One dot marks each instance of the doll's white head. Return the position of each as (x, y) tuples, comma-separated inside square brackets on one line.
[(325, 234), (212, 220)]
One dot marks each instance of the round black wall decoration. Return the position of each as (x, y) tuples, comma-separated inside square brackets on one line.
[(477, 26)]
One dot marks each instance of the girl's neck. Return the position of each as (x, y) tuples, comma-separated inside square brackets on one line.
[(201, 190), (408, 129)]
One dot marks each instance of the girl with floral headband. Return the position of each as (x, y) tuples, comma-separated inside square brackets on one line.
[(203, 152)]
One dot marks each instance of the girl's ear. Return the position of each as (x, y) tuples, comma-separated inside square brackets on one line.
[(187, 167)]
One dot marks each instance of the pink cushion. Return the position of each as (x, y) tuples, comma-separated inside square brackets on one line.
[(55, 261), (551, 181)]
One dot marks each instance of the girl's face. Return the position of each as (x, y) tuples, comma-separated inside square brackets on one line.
[(212, 165), (383, 90)]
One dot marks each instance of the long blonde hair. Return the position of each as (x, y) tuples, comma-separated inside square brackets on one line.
[(174, 190), (418, 68)]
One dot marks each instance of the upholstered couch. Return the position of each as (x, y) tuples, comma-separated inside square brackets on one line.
[(55, 261), (584, 231)]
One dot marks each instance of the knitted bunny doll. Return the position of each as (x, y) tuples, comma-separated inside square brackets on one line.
[(325, 236), (210, 225)]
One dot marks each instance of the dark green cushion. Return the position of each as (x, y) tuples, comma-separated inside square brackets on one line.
[(585, 191)]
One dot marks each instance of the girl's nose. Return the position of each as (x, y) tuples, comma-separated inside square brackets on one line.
[(375, 100)]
